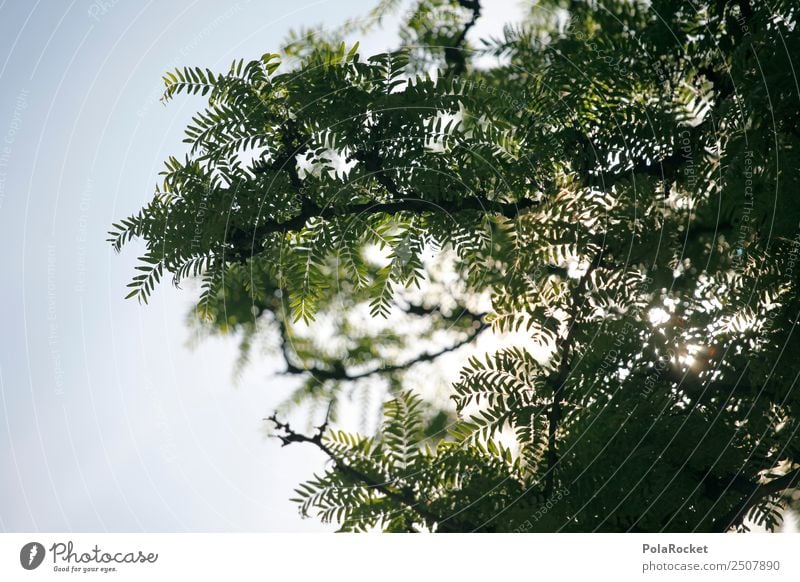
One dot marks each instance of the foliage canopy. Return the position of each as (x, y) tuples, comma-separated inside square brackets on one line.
[(605, 194)]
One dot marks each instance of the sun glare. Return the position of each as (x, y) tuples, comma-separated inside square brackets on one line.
[(658, 316)]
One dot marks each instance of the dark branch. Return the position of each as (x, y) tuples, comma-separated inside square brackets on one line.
[(341, 374), (293, 142), (758, 491), (402, 496), (457, 314), (311, 211), (453, 54), (556, 412)]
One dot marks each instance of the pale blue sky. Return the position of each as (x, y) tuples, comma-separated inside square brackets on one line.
[(108, 421)]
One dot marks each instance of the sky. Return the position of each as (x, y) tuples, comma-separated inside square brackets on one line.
[(110, 420)]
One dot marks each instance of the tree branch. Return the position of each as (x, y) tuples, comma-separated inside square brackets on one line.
[(341, 374), (556, 412), (293, 141), (759, 491), (401, 496), (416, 205), (453, 54)]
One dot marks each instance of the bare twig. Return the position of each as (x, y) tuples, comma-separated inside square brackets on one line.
[(402, 496), (556, 412), (340, 373), (453, 54)]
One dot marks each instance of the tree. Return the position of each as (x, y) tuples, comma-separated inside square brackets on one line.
[(609, 187)]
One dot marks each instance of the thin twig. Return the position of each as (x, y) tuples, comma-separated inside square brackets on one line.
[(556, 412), (401, 496)]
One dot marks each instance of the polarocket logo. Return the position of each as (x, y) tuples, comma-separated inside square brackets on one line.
[(31, 555)]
